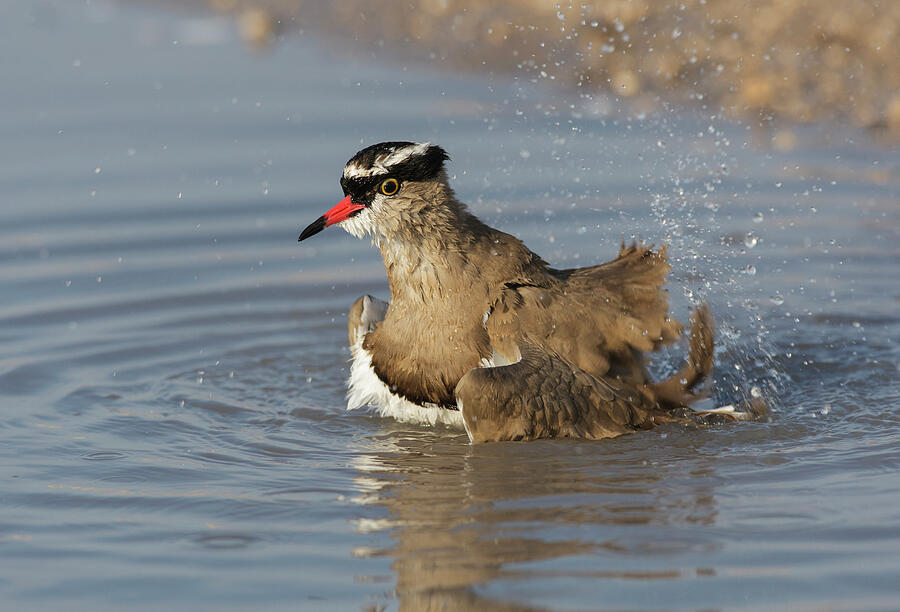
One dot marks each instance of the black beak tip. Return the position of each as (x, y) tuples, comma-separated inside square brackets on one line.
[(314, 228)]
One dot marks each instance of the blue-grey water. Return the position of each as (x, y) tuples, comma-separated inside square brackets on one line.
[(172, 362)]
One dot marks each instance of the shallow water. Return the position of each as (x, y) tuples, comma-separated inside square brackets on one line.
[(173, 362)]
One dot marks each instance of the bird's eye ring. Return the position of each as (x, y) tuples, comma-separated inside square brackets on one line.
[(389, 186)]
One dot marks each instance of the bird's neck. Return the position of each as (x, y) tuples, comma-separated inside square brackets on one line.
[(433, 256)]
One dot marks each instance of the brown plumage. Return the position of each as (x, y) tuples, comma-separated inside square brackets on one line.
[(465, 295)]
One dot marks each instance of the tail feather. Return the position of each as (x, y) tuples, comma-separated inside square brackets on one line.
[(679, 389)]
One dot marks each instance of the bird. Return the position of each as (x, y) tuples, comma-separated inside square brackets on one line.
[(481, 332)]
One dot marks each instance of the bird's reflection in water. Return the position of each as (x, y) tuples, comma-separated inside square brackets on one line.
[(462, 516)]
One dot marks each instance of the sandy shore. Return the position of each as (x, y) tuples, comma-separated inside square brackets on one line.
[(802, 60)]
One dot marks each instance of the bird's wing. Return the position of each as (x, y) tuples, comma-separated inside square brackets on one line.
[(545, 396), (365, 313), (628, 292), (599, 318)]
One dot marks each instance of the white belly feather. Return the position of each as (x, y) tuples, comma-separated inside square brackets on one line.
[(366, 389)]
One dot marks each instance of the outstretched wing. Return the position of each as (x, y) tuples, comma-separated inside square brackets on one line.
[(629, 288), (599, 318), (545, 396)]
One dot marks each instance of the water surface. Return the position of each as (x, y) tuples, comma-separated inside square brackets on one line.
[(173, 363)]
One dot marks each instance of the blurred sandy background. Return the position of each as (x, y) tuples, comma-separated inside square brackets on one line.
[(767, 61)]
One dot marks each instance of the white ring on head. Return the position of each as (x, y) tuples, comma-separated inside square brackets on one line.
[(401, 155), (383, 162)]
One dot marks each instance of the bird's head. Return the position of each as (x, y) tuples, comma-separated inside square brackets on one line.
[(387, 187)]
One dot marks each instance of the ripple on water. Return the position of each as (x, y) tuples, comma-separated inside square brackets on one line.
[(225, 541), (104, 456)]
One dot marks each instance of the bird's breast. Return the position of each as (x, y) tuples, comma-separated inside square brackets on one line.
[(422, 360)]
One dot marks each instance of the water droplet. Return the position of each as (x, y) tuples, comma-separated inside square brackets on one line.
[(68, 283), (758, 217), (581, 230), (755, 392), (524, 154), (750, 270), (98, 170), (777, 299), (99, 279), (750, 241)]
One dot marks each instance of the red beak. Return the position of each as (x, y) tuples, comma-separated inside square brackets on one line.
[(344, 209)]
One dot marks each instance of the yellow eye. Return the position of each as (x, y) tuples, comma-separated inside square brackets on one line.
[(389, 187)]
